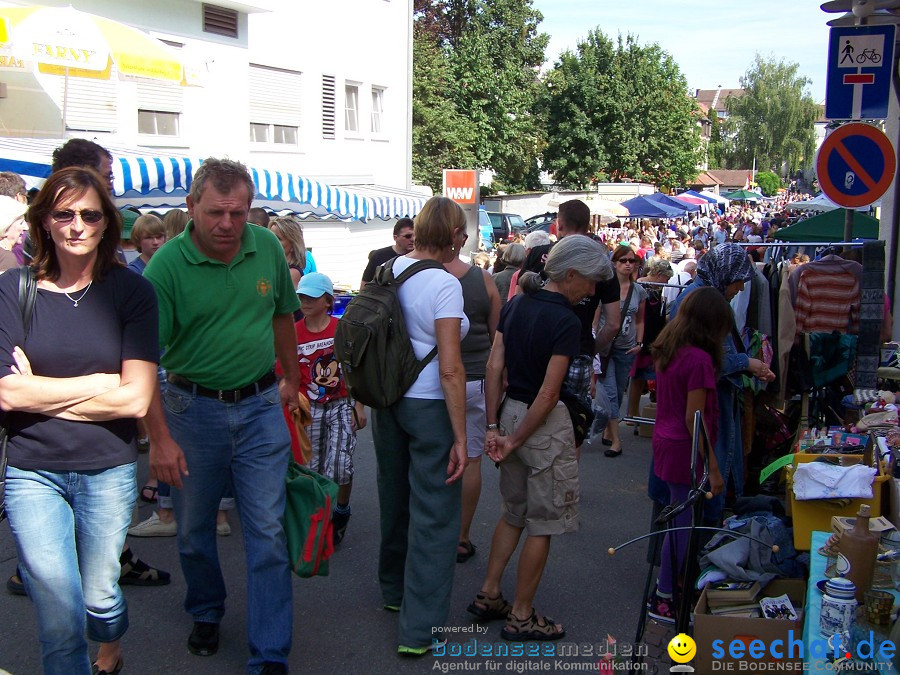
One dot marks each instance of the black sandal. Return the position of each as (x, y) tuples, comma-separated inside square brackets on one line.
[(612, 453), (135, 572), (470, 551), (152, 489)]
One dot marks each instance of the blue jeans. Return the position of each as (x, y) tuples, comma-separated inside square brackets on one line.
[(245, 445), (615, 381), (69, 528)]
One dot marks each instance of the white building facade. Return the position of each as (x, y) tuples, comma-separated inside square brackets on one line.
[(319, 89)]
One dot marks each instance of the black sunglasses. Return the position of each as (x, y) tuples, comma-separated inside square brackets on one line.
[(627, 260), (66, 216)]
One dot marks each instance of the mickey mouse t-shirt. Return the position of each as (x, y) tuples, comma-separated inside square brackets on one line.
[(321, 379)]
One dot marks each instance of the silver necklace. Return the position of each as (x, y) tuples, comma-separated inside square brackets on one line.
[(76, 301)]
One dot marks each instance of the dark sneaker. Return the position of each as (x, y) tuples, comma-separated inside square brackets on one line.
[(662, 609), (15, 586), (272, 668), (339, 524), (135, 572), (204, 639)]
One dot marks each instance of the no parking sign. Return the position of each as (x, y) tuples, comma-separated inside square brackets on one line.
[(855, 165)]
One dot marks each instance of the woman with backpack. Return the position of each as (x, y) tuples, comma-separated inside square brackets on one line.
[(531, 435), (420, 518)]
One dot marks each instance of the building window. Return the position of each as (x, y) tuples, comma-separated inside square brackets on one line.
[(285, 134), (351, 108), (259, 133), (377, 109), (158, 123), (280, 134), (275, 118)]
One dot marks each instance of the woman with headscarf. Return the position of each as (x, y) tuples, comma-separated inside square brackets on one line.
[(727, 268)]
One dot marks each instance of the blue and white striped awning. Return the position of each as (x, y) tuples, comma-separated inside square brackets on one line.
[(159, 181)]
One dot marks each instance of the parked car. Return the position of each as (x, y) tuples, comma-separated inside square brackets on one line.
[(485, 229), (542, 221), (505, 225)]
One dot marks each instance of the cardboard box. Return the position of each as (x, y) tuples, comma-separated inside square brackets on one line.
[(841, 523), (708, 628), (809, 515), (648, 411)]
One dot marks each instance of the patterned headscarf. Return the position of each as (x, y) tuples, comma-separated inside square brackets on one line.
[(724, 265)]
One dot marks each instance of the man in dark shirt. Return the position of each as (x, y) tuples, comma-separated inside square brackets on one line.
[(404, 240), (575, 218)]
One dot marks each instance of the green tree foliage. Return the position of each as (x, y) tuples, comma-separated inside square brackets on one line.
[(768, 182), (442, 137), (479, 60), (622, 110), (773, 121)]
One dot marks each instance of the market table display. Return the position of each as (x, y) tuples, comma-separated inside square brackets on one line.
[(816, 664)]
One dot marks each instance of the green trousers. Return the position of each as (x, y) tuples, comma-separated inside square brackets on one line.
[(420, 515)]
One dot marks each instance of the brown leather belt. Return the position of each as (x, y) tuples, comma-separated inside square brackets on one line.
[(225, 395)]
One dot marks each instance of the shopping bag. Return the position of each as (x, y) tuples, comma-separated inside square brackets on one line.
[(308, 507)]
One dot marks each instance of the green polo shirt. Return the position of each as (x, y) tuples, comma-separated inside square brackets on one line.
[(215, 319)]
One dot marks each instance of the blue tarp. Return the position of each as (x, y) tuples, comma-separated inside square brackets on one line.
[(641, 207), (666, 200)]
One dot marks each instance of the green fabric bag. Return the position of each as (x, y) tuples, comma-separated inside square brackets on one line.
[(308, 506)]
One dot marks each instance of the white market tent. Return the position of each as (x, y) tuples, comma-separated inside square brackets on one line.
[(342, 223), (820, 203)]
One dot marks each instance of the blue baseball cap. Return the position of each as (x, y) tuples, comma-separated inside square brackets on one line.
[(315, 285)]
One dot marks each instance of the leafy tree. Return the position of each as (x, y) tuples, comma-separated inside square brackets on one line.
[(441, 137), (773, 122), (619, 109), (768, 182), (492, 51)]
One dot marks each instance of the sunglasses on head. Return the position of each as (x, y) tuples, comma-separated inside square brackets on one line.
[(66, 216)]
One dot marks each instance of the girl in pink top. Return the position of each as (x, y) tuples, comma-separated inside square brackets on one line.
[(687, 354)]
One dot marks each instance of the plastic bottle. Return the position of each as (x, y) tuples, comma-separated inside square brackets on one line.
[(860, 546)]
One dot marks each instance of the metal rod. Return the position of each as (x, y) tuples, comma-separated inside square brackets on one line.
[(658, 283), (733, 533), (810, 243)]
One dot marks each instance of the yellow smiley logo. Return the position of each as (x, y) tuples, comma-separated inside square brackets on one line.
[(682, 648)]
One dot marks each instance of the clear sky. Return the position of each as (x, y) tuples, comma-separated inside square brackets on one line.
[(713, 41)]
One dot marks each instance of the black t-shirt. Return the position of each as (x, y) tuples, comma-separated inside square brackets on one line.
[(377, 257), (606, 292), (534, 329), (116, 320)]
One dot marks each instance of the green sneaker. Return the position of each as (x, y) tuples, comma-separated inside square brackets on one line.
[(420, 651)]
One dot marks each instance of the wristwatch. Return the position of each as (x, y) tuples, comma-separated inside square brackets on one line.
[(493, 427)]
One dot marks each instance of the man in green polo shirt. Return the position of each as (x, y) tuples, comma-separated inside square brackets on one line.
[(225, 303)]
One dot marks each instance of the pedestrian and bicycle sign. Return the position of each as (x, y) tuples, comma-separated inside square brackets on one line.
[(860, 64), (855, 165)]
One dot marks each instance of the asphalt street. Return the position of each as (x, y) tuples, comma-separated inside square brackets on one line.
[(339, 623)]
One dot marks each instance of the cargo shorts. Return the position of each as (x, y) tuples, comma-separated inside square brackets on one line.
[(539, 481)]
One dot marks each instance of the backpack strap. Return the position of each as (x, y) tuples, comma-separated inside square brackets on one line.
[(27, 295), (384, 276)]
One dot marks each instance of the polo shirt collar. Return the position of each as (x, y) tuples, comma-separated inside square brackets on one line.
[(193, 255)]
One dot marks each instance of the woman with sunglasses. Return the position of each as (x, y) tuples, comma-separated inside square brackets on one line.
[(627, 344), (73, 387)]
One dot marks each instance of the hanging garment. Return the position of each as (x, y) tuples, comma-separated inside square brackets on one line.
[(828, 297)]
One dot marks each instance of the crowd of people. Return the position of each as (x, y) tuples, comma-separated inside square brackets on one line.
[(179, 350)]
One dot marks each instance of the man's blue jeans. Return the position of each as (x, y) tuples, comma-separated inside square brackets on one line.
[(246, 445), (69, 529)]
